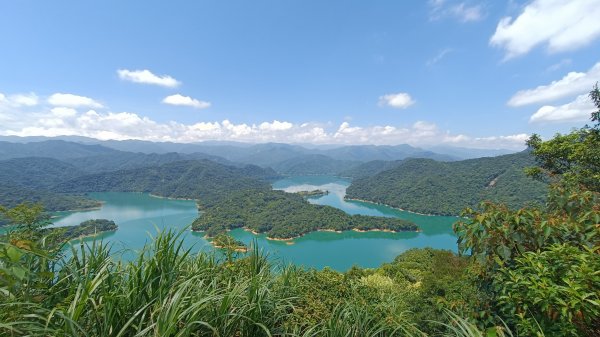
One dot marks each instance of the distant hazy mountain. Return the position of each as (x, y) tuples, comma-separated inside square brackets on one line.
[(428, 186), (58, 149), (468, 153)]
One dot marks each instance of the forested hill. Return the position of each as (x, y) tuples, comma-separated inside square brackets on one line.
[(13, 194), (283, 215), (193, 179), (369, 169), (37, 172), (428, 186), (313, 164)]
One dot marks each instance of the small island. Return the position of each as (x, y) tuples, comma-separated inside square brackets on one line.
[(313, 193), (285, 216), (85, 229)]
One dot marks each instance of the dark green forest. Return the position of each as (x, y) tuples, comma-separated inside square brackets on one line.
[(284, 215), (446, 188)]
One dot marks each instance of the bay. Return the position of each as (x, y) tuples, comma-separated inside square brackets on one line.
[(139, 216)]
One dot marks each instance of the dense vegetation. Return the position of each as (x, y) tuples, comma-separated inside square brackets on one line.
[(539, 266), (167, 291), (369, 169), (31, 179), (195, 179), (12, 195), (37, 172), (312, 164), (527, 272), (85, 229), (445, 188), (284, 215), (128, 160)]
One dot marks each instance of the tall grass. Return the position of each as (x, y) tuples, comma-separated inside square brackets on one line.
[(168, 291)]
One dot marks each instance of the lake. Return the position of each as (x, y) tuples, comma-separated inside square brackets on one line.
[(140, 215)]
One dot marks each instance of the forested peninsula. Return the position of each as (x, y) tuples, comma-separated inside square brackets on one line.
[(285, 216)]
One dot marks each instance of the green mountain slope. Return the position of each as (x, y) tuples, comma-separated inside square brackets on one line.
[(36, 172), (427, 186), (313, 164), (12, 194), (368, 169), (195, 179)]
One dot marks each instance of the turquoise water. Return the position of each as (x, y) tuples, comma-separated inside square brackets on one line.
[(138, 216)]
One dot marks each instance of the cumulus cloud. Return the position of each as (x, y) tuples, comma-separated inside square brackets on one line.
[(577, 111), (400, 100), (557, 24), (571, 84), (464, 11), (19, 100), (147, 77), (181, 100), (72, 101), (47, 120)]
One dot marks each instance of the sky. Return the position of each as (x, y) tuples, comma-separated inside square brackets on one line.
[(468, 73)]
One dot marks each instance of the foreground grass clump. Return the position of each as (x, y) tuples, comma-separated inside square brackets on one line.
[(167, 291)]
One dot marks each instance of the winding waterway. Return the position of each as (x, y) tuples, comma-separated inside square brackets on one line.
[(140, 215)]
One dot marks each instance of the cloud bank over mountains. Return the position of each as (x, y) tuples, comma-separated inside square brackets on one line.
[(83, 116)]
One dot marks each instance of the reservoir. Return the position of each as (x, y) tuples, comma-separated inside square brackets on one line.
[(139, 216)]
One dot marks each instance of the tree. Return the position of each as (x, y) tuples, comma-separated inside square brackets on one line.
[(26, 216), (573, 158), (539, 266)]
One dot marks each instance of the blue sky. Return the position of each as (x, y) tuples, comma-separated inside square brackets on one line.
[(466, 73)]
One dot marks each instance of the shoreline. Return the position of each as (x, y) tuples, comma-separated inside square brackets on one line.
[(171, 198), (396, 208)]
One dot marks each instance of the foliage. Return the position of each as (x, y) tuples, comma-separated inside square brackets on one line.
[(58, 235), (11, 195), (540, 266), (312, 164), (167, 291), (284, 215), (573, 158), (445, 188), (194, 179), (369, 169), (560, 285), (26, 217)]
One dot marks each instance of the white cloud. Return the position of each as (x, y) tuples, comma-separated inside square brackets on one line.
[(571, 84), (577, 111), (276, 126), (178, 99), (557, 24), (46, 120), (62, 112), (72, 101), (464, 11), (400, 100), (437, 58), (19, 100), (147, 77)]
